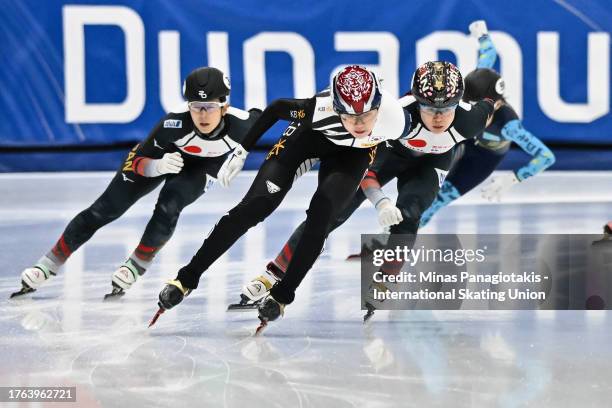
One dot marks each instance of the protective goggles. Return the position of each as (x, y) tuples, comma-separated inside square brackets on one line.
[(361, 118), (432, 110), (197, 106)]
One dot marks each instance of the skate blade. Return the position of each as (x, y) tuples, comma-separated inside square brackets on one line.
[(260, 328), (114, 295), (369, 313), (603, 241), (154, 319), (23, 291), (243, 307), (353, 257)]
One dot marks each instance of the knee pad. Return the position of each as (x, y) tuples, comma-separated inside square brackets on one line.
[(100, 214), (168, 211)]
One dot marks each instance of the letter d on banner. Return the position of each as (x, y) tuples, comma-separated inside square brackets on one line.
[(77, 109)]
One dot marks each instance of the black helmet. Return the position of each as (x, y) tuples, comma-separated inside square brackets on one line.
[(438, 84), (206, 83), (483, 83)]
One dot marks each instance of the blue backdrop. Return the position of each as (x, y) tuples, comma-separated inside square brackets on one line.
[(102, 73)]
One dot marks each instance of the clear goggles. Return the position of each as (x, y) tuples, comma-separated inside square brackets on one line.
[(198, 106), (432, 110), (361, 118)]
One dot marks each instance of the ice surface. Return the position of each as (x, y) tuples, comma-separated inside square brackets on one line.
[(320, 354)]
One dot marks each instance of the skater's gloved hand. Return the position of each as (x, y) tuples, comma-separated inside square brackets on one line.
[(232, 166), (494, 190), (478, 28), (388, 214), (171, 163)]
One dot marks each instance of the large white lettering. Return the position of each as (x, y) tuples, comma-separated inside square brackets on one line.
[(465, 49), (254, 51), (385, 44), (598, 80), (170, 89), (75, 18), (170, 81)]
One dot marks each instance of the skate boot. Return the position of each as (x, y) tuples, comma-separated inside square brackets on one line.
[(33, 278), (269, 310), (254, 291), (171, 295), (123, 278), (371, 302)]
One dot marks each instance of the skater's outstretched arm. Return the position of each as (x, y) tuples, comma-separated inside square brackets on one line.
[(280, 109), (487, 54), (543, 157)]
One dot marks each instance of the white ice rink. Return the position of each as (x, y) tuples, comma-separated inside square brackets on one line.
[(320, 354)]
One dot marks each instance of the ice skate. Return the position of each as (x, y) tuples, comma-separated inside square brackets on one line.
[(372, 303), (32, 279), (269, 310), (116, 293), (171, 295), (254, 291), (123, 278), (369, 313)]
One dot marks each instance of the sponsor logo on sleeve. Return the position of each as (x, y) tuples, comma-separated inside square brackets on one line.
[(173, 123), (297, 114)]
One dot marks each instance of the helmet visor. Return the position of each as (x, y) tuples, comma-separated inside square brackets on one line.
[(197, 106), (360, 118), (432, 110)]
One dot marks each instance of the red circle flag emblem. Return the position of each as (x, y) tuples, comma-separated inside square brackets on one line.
[(417, 142), (193, 149)]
